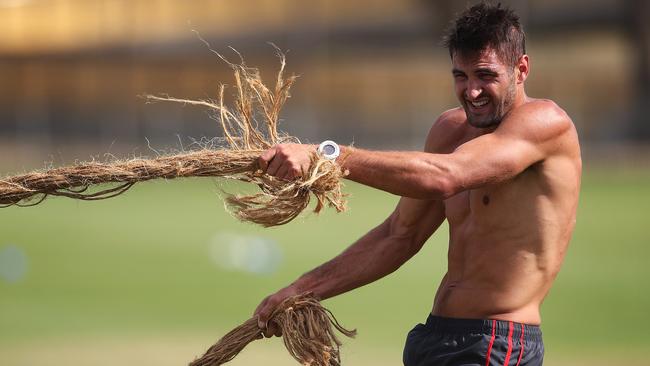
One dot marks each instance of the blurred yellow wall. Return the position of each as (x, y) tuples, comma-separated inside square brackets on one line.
[(60, 25), (372, 72)]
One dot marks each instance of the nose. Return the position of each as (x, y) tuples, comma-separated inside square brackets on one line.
[(473, 90)]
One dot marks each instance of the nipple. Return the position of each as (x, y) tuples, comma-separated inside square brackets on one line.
[(486, 200)]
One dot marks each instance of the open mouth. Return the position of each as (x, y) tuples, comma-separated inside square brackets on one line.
[(478, 104)]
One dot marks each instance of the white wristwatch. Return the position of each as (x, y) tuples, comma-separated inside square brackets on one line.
[(329, 150)]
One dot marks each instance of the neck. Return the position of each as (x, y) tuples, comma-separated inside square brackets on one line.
[(520, 98)]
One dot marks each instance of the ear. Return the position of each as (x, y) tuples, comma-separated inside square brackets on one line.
[(523, 68)]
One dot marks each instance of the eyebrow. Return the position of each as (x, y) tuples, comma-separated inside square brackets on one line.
[(484, 70)]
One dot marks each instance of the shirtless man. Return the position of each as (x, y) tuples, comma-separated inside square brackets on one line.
[(504, 171)]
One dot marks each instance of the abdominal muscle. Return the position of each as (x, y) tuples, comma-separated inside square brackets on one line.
[(501, 263), (500, 293)]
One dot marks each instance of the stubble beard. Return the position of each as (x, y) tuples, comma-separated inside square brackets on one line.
[(501, 109)]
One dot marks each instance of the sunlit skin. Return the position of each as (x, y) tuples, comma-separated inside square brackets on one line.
[(504, 174), (486, 87)]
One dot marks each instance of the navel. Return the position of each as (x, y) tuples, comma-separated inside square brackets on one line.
[(486, 199)]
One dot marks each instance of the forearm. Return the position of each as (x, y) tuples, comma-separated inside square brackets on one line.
[(412, 174), (375, 255)]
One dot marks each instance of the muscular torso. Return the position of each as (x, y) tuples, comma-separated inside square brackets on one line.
[(507, 240)]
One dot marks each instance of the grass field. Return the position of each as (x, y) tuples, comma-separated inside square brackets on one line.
[(133, 280)]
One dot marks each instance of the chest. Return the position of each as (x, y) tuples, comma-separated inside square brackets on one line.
[(498, 204)]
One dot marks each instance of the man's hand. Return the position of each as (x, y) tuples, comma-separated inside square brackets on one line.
[(266, 307), (287, 161)]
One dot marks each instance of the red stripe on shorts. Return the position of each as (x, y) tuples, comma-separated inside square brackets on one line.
[(521, 340), (489, 351), (509, 353)]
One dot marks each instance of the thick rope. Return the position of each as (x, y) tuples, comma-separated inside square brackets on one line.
[(308, 332), (278, 202)]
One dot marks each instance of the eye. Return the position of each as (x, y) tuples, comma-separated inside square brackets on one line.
[(486, 76), (459, 76)]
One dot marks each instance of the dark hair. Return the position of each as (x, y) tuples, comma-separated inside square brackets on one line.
[(487, 25)]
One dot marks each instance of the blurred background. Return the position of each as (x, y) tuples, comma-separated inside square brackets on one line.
[(156, 275)]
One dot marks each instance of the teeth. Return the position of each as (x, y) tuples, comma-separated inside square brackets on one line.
[(480, 103)]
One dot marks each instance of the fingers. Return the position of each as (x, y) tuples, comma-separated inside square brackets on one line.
[(265, 158), (272, 330), (286, 161), (263, 312), (283, 171), (278, 331), (265, 309), (275, 165), (289, 171)]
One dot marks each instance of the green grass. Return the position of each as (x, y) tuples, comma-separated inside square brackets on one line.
[(139, 265)]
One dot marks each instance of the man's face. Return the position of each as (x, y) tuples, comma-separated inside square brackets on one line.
[(485, 86)]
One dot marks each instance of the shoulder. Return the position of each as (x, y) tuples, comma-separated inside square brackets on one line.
[(445, 131), (539, 118), (452, 118), (543, 123)]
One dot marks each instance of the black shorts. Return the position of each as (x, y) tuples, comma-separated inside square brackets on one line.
[(473, 342)]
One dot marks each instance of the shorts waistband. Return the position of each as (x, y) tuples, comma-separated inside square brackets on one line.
[(484, 326)]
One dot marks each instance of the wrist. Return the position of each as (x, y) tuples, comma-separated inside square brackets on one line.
[(299, 286), (305, 284), (329, 150), (344, 159)]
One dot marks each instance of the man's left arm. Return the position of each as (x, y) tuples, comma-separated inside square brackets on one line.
[(526, 136)]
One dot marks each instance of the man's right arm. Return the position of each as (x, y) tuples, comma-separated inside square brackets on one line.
[(378, 253), (383, 249)]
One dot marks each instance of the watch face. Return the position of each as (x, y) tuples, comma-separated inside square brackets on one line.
[(329, 149)]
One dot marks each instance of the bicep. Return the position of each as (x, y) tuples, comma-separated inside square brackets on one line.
[(420, 218), (416, 220), (525, 137), (492, 158)]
